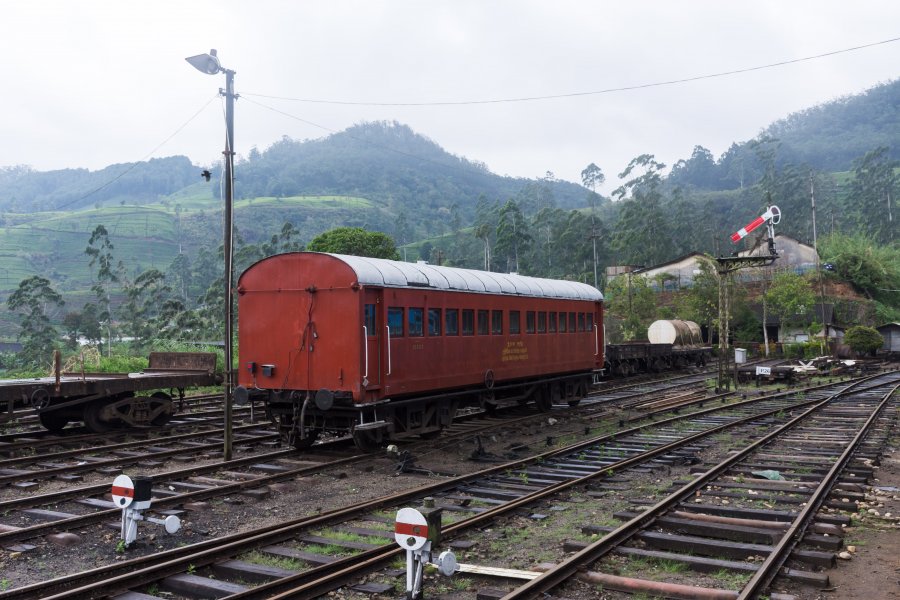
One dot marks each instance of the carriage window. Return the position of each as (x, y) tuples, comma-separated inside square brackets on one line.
[(482, 322), (529, 321), (468, 321), (514, 322), (497, 322), (395, 321), (542, 322), (580, 321), (562, 322), (451, 319), (590, 321), (571, 322), (551, 325), (414, 328), (434, 321), (369, 320)]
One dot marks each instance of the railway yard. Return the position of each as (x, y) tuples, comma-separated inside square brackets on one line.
[(655, 487)]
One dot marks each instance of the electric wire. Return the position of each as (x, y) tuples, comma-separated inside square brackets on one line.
[(579, 94), (135, 164)]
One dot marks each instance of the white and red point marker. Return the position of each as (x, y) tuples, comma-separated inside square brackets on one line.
[(410, 529), (122, 491)]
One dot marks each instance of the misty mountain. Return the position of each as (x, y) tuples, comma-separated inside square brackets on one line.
[(384, 161), (826, 137)]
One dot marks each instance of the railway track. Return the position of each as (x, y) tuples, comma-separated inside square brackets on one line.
[(472, 501), (203, 481)]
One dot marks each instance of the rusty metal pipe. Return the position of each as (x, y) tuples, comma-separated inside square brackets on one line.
[(759, 524), (669, 590), (661, 588)]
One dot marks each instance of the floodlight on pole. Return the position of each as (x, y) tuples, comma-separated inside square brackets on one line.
[(209, 64)]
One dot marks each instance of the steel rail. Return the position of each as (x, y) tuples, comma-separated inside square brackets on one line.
[(322, 579), (133, 444), (776, 559), (593, 552), (148, 569), (45, 473)]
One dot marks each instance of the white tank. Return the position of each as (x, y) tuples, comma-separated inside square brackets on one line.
[(674, 331)]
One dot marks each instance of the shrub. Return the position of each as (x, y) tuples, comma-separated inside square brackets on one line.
[(863, 340)]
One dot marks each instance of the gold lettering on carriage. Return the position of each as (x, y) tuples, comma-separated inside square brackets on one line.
[(514, 351)]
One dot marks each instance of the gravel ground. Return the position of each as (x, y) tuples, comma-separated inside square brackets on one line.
[(518, 541)]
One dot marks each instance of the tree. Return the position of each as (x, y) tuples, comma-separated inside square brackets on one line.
[(513, 238), (591, 177), (179, 275), (82, 324), (872, 193), (698, 171), (863, 340), (145, 299), (870, 267), (355, 241), (789, 297), (425, 251), (642, 233), (700, 302), (100, 249), (486, 216), (32, 300), (631, 299)]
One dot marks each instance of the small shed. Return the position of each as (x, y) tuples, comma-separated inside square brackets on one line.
[(891, 334)]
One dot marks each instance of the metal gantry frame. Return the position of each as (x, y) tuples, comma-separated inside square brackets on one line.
[(725, 266)]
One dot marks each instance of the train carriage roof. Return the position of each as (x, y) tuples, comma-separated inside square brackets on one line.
[(391, 273)]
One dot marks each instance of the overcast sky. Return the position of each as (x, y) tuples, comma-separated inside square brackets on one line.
[(92, 83)]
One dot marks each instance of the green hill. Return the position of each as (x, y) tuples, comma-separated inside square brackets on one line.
[(385, 177)]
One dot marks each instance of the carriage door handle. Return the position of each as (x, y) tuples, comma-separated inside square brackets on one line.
[(388, 327), (596, 340), (366, 342)]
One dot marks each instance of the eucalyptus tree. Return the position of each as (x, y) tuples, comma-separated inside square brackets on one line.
[(591, 177), (873, 193), (100, 249), (643, 235), (32, 300), (486, 217), (513, 237)]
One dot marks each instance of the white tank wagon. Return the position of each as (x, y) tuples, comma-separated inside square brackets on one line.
[(672, 344), (675, 332)]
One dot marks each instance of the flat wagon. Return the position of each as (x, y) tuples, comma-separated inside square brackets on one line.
[(106, 400)]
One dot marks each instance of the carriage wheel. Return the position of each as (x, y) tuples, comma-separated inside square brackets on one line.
[(53, 421), (92, 418), (165, 416), (367, 440), (303, 443), (580, 392), (542, 399)]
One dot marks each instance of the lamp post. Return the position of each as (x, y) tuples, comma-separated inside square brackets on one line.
[(209, 64)]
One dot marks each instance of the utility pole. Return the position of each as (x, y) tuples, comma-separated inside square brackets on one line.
[(812, 198), (209, 64)]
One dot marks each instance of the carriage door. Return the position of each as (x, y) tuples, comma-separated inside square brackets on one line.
[(373, 334)]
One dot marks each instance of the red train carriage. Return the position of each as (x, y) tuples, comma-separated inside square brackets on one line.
[(384, 349)]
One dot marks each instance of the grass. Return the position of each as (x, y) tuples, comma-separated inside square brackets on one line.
[(731, 579), (279, 562), (329, 550)]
